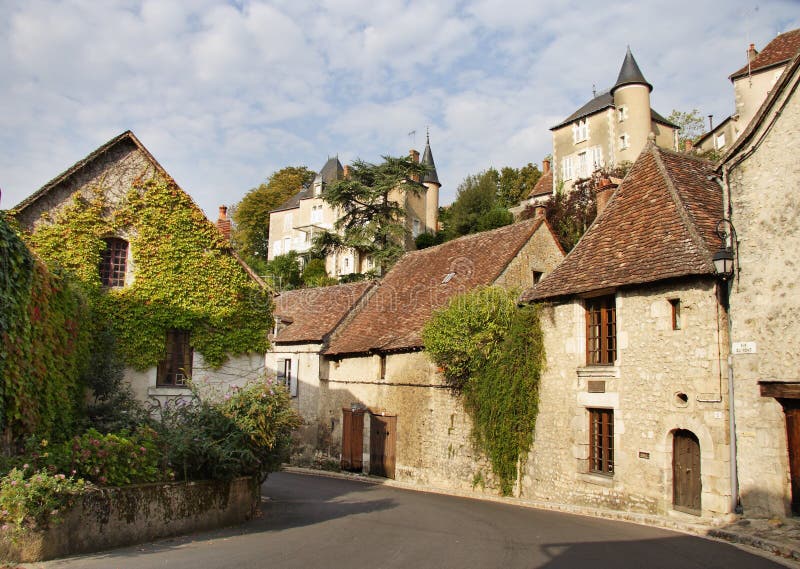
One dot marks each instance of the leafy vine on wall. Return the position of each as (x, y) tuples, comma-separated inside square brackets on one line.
[(492, 353), (184, 274)]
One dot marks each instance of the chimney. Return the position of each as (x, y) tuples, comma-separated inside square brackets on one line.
[(223, 223), (603, 193), (346, 174), (545, 166), (688, 146), (414, 155), (539, 211), (751, 53)]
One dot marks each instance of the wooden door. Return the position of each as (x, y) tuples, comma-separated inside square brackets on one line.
[(686, 483), (382, 440), (791, 407), (352, 440)]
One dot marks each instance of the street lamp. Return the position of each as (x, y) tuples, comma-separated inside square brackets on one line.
[(724, 259)]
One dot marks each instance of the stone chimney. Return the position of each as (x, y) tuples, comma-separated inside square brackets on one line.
[(603, 193), (539, 211), (414, 155), (545, 166), (346, 174), (688, 146), (223, 223), (751, 53)]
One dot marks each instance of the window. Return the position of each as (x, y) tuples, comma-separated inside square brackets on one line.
[(597, 157), (583, 165), (601, 441), (114, 262), (415, 228), (675, 303), (622, 113), (287, 244), (624, 142), (537, 276), (382, 367), (284, 375), (580, 131), (276, 248), (176, 368), (448, 277), (566, 168), (316, 214), (287, 222), (720, 140), (601, 330)]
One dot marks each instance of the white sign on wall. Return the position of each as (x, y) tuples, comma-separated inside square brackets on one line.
[(744, 347)]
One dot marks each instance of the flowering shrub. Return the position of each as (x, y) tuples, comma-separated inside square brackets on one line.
[(117, 459), (37, 500)]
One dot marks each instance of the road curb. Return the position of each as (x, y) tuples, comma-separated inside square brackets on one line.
[(781, 551)]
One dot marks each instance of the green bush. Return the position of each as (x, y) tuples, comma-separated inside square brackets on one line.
[(248, 433), (117, 459), (35, 501)]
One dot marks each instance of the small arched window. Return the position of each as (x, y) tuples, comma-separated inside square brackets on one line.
[(114, 262)]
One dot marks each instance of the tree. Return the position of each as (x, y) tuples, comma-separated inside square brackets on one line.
[(284, 270), (250, 234), (691, 124), (476, 207), (514, 184), (314, 274), (371, 221)]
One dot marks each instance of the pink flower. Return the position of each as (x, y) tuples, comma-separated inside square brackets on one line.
[(24, 466), (4, 528), (73, 472), (60, 476), (142, 449), (13, 482)]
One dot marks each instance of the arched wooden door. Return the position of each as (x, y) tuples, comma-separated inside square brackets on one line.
[(686, 482)]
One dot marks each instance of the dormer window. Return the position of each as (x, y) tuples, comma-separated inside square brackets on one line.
[(114, 262), (580, 130), (448, 277)]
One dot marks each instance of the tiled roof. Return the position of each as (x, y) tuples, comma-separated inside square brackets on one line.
[(780, 50), (393, 317), (543, 186), (630, 74), (430, 174), (659, 224), (601, 102), (315, 312)]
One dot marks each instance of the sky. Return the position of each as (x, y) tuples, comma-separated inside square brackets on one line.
[(225, 93)]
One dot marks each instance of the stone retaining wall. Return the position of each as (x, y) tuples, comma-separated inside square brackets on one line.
[(114, 517)]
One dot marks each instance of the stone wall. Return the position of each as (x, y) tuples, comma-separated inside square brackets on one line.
[(115, 517), (765, 304), (656, 366)]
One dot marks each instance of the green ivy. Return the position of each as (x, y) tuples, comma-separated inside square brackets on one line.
[(44, 349), (185, 276), (493, 354)]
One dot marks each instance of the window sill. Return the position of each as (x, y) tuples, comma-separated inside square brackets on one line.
[(597, 479), (585, 372), (168, 390)]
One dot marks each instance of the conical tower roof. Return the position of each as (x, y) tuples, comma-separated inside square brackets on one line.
[(630, 74), (430, 174)]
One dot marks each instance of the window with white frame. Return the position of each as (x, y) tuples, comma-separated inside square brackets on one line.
[(580, 130), (276, 248), (566, 168), (415, 228), (597, 157), (582, 170), (316, 214), (287, 244), (720, 140), (622, 113), (624, 141), (287, 222)]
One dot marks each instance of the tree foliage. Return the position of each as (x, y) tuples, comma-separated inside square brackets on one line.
[(514, 184), (250, 233), (477, 207), (691, 125), (372, 220), (493, 354)]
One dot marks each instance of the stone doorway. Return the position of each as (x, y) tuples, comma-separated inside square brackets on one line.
[(686, 482)]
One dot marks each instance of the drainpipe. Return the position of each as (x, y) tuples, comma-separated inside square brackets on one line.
[(735, 504)]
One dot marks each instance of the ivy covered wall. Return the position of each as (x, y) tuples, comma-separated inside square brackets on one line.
[(184, 275), (44, 344)]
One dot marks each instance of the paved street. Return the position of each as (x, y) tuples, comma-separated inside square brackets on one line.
[(312, 521)]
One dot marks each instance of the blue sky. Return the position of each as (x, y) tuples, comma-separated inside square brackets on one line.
[(225, 93)]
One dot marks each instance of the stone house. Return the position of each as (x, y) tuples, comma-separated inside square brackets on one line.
[(761, 175), (293, 225), (540, 193), (390, 410), (612, 128), (634, 401), (304, 321), (752, 83), (109, 173)]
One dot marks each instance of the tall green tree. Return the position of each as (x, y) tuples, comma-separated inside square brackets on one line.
[(372, 221), (691, 123), (250, 234), (477, 207), (514, 184)]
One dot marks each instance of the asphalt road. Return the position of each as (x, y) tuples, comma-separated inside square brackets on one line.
[(312, 521)]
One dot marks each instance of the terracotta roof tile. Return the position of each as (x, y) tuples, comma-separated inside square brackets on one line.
[(659, 224), (543, 186), (393, 317), (315, 312), (780, 50)]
